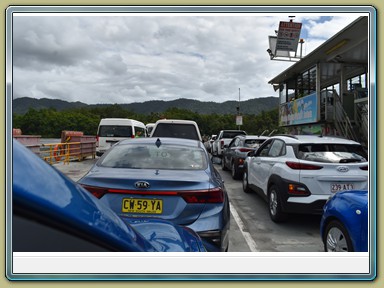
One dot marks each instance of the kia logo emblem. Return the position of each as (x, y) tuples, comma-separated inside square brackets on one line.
[(142, 184), (342, 169)]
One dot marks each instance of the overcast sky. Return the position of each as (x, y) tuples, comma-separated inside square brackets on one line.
[(126, 59)]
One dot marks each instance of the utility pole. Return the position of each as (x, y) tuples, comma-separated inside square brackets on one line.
[(238, 106), (238, 110)]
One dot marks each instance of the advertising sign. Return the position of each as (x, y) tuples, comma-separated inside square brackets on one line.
[(239, 120), (288, 36), (299, 111)]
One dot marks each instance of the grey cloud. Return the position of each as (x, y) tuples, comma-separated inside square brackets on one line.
[(134, 59)]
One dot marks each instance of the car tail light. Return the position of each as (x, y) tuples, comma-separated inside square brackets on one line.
[(190, 196), (245, 150), (97, 140), (222, 144), (96, 191), (203, 196), (240, 161), (302, 166), (365, 168), (132, 136), (297, 190)]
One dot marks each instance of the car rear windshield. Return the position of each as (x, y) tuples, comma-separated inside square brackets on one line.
[(253, 143), (186, 131), (332, 153), (115, 131), (153, 157), (233, 134)]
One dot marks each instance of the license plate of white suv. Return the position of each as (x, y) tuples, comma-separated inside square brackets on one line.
[(338, 187)]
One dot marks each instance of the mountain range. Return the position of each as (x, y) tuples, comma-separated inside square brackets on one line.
[(252, 106)]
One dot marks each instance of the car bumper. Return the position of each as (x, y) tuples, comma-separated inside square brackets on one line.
[(308, 207), (306, 204), (215, 241), (213, 229)]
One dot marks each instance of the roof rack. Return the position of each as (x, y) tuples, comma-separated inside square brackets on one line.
[(286, 135)]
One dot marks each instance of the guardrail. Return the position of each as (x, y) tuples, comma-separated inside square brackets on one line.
[(66, 152)]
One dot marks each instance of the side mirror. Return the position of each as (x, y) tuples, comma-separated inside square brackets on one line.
[(225, 146)]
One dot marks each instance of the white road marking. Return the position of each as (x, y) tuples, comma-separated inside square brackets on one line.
[(248, 238)]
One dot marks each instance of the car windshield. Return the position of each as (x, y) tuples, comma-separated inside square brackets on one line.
[(332, 153), (152, 157)]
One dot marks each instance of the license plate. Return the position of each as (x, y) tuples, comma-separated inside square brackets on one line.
[(145, 206), (338, 187)]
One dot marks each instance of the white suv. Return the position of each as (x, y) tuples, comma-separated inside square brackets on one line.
[(176, 128), (298, 173)]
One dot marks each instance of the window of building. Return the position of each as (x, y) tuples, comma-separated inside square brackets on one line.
[(306, 83), (359, 81)]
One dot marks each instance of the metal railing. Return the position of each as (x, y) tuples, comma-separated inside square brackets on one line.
[(66, 152), (361, 114), (342, 121), (332, 111)]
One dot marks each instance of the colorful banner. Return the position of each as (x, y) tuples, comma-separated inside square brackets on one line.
[(299, 111)]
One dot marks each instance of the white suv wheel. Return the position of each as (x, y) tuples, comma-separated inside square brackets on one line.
[(274, 203)]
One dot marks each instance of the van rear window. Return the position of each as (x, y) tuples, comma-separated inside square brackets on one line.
[(115, 131)]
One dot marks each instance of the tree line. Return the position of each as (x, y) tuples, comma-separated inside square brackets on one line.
[(48, 123)]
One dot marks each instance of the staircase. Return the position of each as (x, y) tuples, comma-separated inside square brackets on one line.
[(355, 128)]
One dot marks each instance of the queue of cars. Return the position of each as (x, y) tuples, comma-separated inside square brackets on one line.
[(223, 138), (235, 153), (310, 174), (168, 183)]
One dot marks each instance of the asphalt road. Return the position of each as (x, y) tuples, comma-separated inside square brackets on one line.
[(300, 233)]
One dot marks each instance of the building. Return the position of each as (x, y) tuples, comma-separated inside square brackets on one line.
[(327, 91)]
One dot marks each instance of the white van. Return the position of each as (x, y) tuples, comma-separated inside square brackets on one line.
[(177, 129), (150, 127), (112, 130)]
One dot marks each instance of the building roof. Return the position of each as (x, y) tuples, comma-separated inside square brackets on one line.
[(348, 48)]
